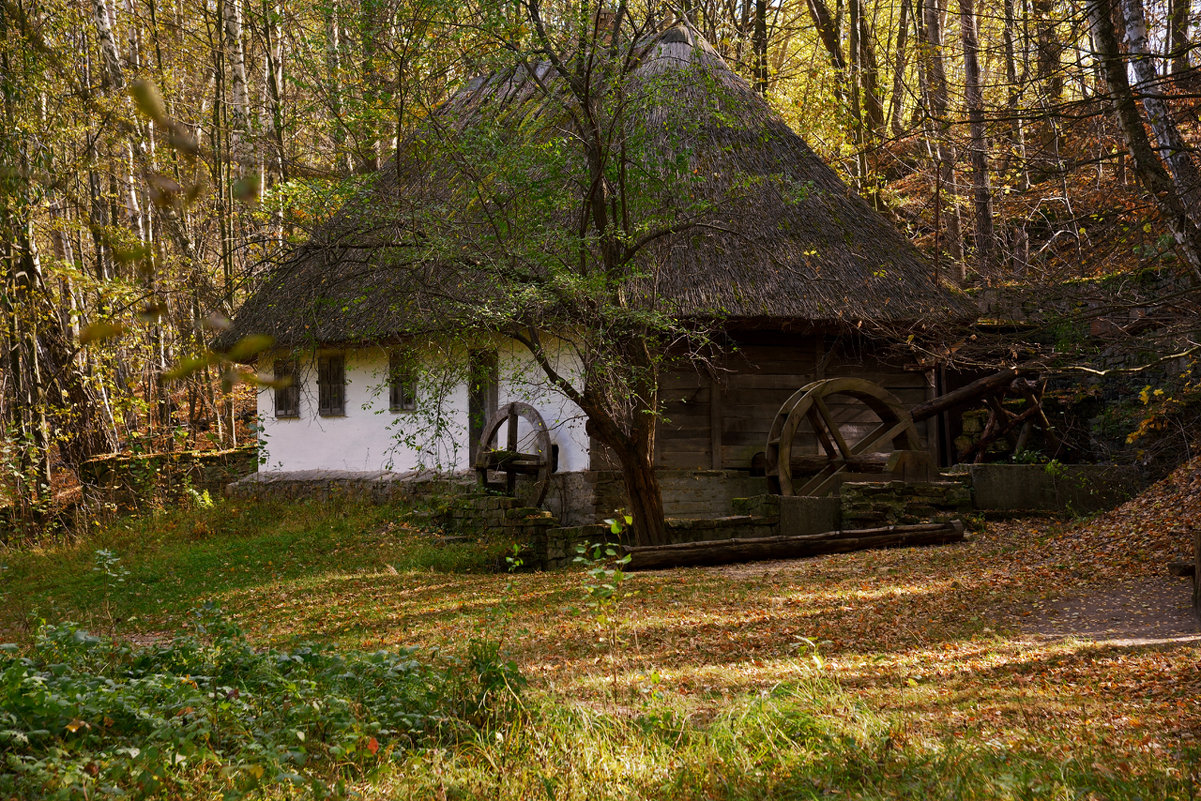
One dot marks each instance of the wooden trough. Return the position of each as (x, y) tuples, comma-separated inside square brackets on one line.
[(720, 552)]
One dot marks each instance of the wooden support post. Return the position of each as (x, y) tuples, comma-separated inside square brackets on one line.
[(715, 417), (1197, 571)]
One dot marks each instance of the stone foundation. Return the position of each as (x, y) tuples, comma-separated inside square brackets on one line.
[(323, 485), (698, 503), (578, 498), (891, 503)]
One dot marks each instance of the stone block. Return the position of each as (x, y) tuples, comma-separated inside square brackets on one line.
[(757, 506), (1054, 488), (803, 514)]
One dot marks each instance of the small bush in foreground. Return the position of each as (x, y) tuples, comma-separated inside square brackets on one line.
[(82, 715)]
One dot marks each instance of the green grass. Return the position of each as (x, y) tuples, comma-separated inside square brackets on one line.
[(181, 558), (887, 674)]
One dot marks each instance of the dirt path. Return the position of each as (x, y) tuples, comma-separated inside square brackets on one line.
[(1143, 611)]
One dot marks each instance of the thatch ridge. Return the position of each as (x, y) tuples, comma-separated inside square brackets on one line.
[(784, 238)]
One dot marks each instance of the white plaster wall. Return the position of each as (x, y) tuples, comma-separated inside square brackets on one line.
[(371, 437), (521, 379)]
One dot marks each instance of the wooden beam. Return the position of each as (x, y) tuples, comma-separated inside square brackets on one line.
[(965, 394), (719, 552)]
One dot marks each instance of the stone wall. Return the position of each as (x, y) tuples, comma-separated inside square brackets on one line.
[(579, 498), (1051, 488), (891, 503), (862, 505), (131, 480)]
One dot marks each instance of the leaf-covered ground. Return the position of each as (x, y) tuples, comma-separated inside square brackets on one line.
[(990, 641)]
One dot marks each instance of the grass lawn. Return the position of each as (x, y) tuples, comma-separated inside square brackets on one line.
[(914, 673)]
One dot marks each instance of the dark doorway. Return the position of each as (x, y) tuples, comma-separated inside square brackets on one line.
[(481, 395)]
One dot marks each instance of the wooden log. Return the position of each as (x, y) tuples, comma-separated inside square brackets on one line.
[(719, 552), (965, 394)]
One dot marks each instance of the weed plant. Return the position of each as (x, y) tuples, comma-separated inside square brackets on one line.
[(207, 714)]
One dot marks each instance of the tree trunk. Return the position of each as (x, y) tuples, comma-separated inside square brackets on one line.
[(645, 496), (1172, 147), (239, 92), (898, 75), (869, 71), (113, 76), (759, 47), (1146, 164), (944, 151), (1050, 48), (827, 31), (274, 69), (974, 98), (1017, 133), (1178, 43)]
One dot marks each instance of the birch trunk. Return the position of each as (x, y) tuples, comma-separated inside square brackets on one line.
[(1172, 148), (1145, 162), (239, 93), (114, 76), (898, 76)]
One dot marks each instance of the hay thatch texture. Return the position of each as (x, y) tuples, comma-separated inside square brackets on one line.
[(473, 216)]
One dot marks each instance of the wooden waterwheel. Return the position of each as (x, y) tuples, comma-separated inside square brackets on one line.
[(842, 446), (533, 464)]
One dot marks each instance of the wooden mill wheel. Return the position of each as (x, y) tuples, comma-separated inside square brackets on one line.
[(811, 403), (490, 458)]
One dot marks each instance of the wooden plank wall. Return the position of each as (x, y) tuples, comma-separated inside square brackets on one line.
[(752, 384)]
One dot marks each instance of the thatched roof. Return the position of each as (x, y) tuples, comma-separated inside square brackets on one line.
[(773, 233)]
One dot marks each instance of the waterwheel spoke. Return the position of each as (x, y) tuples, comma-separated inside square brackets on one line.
[(823, 437), (819, 483), (884, 432), (832, 426), (510, 473)]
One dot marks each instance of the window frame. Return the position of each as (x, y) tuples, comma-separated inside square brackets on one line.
[(401, 377), (331, 384), (287, 398)]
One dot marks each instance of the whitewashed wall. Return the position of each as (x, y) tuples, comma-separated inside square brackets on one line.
[(371, 437), (522, 380)]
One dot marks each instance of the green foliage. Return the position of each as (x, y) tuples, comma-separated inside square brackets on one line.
[(604, 580), (800, 740), (82, 715)]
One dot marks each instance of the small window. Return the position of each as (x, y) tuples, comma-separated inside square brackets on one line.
[(331, 385), (287, 390), (402, 383)]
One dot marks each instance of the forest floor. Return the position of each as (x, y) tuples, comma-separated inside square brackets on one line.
[(1039, 659)]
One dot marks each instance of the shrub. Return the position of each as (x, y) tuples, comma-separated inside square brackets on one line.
[(82, 715)]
